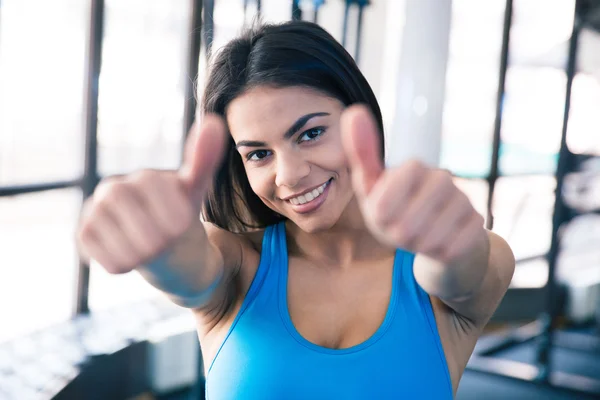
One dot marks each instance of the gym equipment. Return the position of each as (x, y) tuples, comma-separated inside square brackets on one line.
[(543, 332), (208, 25), (360, 4), (296, 10)]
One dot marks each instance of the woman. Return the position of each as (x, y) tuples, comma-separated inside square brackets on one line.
[(317, 272)]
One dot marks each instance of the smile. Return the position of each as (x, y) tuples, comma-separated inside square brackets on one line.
[(310, 196)]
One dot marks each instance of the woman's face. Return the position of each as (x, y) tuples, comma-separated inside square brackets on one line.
[(290, 142)]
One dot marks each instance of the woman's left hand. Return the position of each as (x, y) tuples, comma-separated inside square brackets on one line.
[(411, 206)]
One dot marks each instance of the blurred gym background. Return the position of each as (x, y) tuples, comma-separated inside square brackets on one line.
[(505, 94)]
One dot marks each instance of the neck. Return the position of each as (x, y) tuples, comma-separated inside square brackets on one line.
[(346, 243)]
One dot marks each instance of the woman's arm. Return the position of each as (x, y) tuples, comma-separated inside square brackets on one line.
[(149, 221), (196, 270), (420, 209), (473, 285)]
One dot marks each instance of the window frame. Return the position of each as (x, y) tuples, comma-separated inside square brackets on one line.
[(89, 180)]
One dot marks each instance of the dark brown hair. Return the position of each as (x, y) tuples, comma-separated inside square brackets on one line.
[(295, 53)]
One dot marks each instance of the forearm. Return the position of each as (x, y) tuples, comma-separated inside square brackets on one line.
[(458, 280), (189, 271)]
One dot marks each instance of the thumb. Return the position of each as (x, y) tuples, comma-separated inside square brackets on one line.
[(362, 144), (204, 150)]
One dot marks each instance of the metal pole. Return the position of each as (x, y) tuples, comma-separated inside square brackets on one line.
[(560, 214), (90, 175), (296, 10), (497, 140), (194, 46), (316, 7), (345, 27), (361, 8), (245, 10), (193, 59), (209, 25)]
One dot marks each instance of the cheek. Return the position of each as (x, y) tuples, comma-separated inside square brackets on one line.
[(259, 182), (334, 159)]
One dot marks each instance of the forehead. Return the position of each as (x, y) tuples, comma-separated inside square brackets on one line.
[(262, 110)]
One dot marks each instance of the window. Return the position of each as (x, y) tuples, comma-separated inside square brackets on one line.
[(584, 119), (140, 109), (523, 213), (42, 58), (142, 85), (38, 260), (533, 107), (471, 86)]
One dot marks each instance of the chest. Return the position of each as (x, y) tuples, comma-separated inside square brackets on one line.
[(338, 308)]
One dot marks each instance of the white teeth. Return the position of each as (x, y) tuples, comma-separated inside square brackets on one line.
[(310, 196)]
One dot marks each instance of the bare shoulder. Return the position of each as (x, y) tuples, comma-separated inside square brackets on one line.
[(240, 256), (242, 252), (251, 249), (459, 334), (236, 248)]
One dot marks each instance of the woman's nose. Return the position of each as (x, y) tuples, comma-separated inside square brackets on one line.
[(291, 169)]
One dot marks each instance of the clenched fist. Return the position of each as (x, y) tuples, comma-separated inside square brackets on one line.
[(412, 206), (132, 219)]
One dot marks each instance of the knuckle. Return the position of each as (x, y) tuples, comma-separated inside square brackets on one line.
[(85, 232), (414, 165), (122, 264), (105, 184), (113, 269), (154, 241), (112, 193), (101, 211), (443, 178), (129, 263), (145, 177), (463, 199), (478, 221)]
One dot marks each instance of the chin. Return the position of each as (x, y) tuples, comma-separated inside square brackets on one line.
[(314, 224)]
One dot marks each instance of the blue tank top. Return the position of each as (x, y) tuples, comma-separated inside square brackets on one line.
[(264, 357)]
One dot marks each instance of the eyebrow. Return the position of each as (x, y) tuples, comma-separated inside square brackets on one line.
[(288, 134)]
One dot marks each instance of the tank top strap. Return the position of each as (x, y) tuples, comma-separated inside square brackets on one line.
[(265, 280), (267, 273)]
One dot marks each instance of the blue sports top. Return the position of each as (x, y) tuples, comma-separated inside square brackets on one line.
[(264, 357)]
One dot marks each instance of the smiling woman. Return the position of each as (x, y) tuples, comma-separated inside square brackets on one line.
[(323, 80), (317, 272), (288, 165)]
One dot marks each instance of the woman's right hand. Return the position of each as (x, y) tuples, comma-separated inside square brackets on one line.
[(132, 219)]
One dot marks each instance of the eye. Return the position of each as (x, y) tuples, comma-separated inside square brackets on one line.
[(311, 134), (258, 155)]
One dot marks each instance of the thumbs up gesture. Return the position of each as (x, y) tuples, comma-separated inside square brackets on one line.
[(130, 220), (412, 206)]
